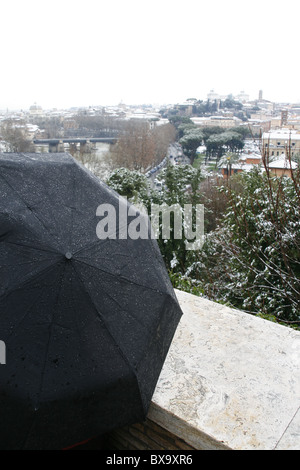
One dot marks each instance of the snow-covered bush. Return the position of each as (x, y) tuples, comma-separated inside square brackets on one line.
[(253, 259)]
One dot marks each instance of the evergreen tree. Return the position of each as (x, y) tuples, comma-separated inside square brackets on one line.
[(252, 260)]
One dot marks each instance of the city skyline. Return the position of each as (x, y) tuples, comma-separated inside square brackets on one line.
[(68, 54), (117, 104)]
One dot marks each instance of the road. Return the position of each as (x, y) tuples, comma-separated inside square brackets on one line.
[(174, 156)]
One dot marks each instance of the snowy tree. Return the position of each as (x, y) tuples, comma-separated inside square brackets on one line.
[(252, 260), (181, 186), (218, 144), (191, 141), (15, 136), (131, 184)]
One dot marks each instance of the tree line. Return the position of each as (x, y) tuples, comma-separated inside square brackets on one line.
[(216, 139)]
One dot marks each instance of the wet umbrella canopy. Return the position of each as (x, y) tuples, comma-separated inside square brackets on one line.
[(87, 322)]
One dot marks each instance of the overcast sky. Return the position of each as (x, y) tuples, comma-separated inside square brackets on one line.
[(64, 53)]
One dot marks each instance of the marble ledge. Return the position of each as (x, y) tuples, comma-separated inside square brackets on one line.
[(230, 380)]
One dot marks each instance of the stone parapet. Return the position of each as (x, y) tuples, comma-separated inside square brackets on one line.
[(230, 381)]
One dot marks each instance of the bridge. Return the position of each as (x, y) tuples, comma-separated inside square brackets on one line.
[(57, 145)]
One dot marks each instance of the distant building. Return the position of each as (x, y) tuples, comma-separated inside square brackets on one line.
[(276, 122), (282, 166), (220, 121), (32, 131), (279, 141), (247, 160), (185, 108), (258, 126), (293, 122), (35, 110), (243, 97), (212, 96), (284, 117)]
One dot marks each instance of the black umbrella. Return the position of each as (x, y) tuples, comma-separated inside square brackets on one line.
[(86, 321)]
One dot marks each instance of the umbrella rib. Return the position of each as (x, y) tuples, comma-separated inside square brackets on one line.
[(23, 318), (71, 207), (32, 247), (24, 202), (49, 339), (20, 264), (119, 305), (39, 273), (86, 248), (33, 420), (114, 300), (106, 327), (121, 277), (106, 240)]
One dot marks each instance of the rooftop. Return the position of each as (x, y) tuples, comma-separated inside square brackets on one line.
[(283, 162), (281, 134)]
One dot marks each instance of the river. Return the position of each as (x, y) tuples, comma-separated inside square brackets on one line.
[(96, 160)]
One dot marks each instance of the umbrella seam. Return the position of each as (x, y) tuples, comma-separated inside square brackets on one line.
[(49, 339), (100, 241), (121, 277), (34, 418), (126, 310), (72, 209), (108, 329), (32, 247), (27, 281), (114, 300), (132, 368), (148, 351), (21, 264), (23, 318), (165, 294), (28, 207)]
